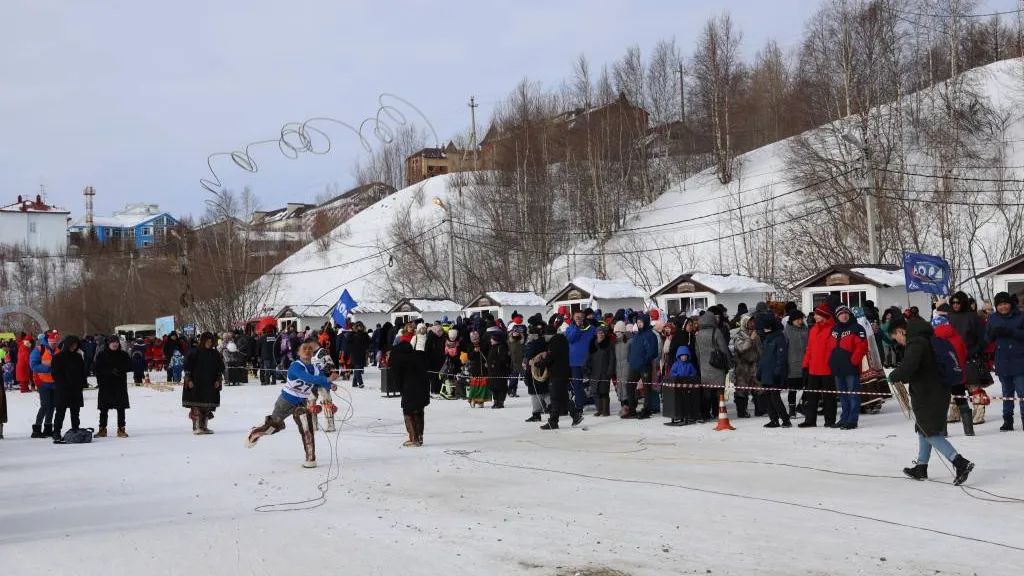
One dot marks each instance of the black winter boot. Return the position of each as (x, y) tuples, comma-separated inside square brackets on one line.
[(792, 410), (741, 407), (918, 472), (967, 418), (1007, 424), (963, 468), (48, 430), (760, 405), (534, 418), (37, 431)]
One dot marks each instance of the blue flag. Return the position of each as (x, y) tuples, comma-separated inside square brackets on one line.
[(342, 309), (926, 273)]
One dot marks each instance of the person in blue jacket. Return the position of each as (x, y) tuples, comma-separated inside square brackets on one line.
[(643, 351), (303, 377), (773, 367), (1006, 329), (683, 367), (39, 362), (579, 333), (684, 374)]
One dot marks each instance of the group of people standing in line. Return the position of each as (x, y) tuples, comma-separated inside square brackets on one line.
[(825, 363), (570, 362), (57, 369)]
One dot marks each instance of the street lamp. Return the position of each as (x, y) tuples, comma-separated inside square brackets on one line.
[(869, 194), (451, 247)]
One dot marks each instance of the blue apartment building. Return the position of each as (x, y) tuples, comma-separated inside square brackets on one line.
[(141, 225)]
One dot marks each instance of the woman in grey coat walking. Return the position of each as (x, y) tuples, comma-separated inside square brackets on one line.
[(712, 379), (796, 334)]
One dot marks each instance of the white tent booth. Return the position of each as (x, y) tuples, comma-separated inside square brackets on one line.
[(604, 295), (1006, 277), (503, 304), (371, 314), (694, 291), (429, 309), (883, 284)]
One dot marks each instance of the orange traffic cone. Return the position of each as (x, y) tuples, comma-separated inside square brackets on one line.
[(723, 415)]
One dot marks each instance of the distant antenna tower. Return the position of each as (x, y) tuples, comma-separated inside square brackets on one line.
[(89, 192)]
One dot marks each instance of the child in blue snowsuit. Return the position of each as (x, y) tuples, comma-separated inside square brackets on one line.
[(8, 375), (684, 374), (177, 364)]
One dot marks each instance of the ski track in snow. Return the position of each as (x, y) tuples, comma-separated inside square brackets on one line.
[(167, 502)]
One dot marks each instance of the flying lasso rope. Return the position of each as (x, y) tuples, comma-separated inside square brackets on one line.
[(310, 137)]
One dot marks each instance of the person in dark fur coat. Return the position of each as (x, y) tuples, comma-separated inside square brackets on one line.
[(556, 362), (498, 367), (204, 377), (112, 368), (600, 370), (68, 370), (533, 349), (407, 367)]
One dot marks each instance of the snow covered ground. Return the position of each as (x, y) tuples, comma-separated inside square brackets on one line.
[(672, 500)]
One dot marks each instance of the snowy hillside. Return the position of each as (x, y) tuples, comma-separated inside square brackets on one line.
[(698, 224), (354, 258)]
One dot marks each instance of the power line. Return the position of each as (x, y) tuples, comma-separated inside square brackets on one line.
[(951, 177), (952, 203), (673, 247), (699, 221), (947, 16), (348, 263), (652, 226)]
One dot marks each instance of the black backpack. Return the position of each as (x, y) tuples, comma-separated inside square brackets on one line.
[(947, 363), (77, 436)]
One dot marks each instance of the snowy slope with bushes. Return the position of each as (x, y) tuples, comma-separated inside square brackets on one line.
[(357, 254), (701, 224), (745, 227)]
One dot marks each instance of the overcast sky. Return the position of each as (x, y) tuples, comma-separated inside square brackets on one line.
[(132, 96)]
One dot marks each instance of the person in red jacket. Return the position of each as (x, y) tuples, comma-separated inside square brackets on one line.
[(943, 329), (819, 375), (848, 344), (22, 371)]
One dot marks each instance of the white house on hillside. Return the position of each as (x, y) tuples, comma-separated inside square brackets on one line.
[(694, 291), (34, 225), (604, 295), (853, 285), (504, 304)]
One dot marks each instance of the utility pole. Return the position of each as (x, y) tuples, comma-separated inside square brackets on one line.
[(869, 194), (451, 247), (451, 257), (472, 139), (869, 205), (682, 96), (682, 119)]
